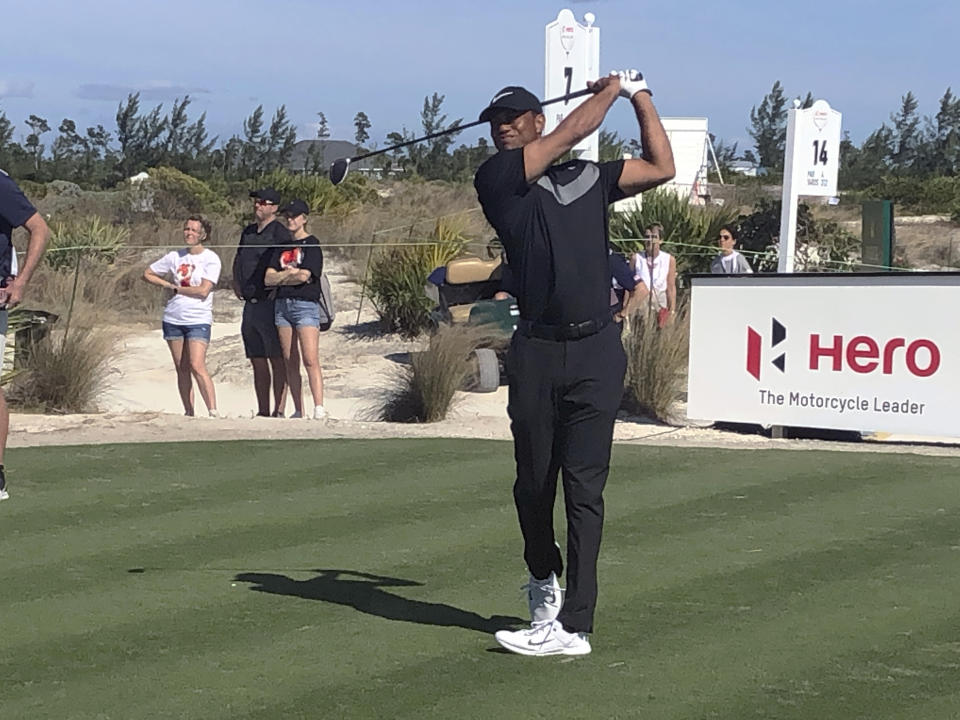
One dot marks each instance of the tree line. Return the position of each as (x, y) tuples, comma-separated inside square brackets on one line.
[(907, 146)]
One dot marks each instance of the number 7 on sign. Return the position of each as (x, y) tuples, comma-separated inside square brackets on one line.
[(568, 74)]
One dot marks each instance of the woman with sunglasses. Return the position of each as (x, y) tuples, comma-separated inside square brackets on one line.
[(729, 261)]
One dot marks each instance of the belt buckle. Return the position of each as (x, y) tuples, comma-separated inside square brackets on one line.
[(574, 331)]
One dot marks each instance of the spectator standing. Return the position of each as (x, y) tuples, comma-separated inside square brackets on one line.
[(656, 274), (261, 343), (191, 274), (295, 270), (729, 261)]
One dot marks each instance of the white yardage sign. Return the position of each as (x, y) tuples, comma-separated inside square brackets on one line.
[(816, 150), (572, 58), (811, 163)]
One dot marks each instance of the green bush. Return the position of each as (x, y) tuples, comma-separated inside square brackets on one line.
[(820, 245), (174, 194), (932, 195), (86, 237), (398, 273), (689, 231), (319, 193)]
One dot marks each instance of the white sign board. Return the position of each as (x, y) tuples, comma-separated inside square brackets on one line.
[(816, 150), (847, 352), (572, 58), (810, 167)]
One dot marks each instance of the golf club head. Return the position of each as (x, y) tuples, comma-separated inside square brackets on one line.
[(338, 171)]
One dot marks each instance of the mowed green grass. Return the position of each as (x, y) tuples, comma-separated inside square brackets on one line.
[(361, 579)]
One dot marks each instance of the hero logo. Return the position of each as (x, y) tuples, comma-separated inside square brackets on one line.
[(778, 334), (861, 354)]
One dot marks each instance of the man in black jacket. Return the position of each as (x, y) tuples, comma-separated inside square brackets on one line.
[(260, 340)]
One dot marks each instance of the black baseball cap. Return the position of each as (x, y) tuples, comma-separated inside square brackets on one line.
[(267, 194), (294, 208), (514, 98)]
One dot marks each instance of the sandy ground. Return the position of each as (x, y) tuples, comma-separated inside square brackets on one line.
[(141, 403)]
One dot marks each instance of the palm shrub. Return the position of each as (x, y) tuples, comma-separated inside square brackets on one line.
[(689, 231), (84, 237), (657, 363), (321, 194), (398, 273), (424, 391)]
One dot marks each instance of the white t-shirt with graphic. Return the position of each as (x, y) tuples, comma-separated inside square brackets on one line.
[(189, 270)]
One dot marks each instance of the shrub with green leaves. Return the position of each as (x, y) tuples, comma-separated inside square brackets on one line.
[(319, 193), (84, 237), (398, 273), (174, 193), (821, 245), (689, 231)]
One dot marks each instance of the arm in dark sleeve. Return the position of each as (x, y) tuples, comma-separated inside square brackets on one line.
[(14, 206), (621, 272), (610, 180)]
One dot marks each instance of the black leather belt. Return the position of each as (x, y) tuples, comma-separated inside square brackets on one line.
[(571, 331)]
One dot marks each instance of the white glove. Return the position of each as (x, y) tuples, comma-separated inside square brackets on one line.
[(631, 82)]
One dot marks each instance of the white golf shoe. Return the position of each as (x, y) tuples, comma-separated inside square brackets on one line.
[(544, 638), (545, 598)]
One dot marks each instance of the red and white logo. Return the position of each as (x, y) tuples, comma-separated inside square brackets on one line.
[(566, 37), (860, 354), (778, 333)]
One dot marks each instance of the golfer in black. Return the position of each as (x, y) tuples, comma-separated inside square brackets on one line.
[(566, 362)]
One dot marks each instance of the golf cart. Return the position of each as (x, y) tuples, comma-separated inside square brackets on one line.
[(464, 292)]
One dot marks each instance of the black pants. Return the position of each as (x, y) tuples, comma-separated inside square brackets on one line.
[(564, 397)]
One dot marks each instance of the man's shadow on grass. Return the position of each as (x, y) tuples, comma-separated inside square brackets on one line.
[(363, 592)]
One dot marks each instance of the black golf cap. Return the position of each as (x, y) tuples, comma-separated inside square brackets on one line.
[(267, 194), (294, 208), (513, 98)]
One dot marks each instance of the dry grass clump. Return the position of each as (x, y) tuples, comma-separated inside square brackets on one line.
[(424, 391), (657, 363), (64, 374)]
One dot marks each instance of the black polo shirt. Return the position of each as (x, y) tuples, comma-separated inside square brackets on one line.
[(554, 232), (304, 253), (15, 210), (253, 255)]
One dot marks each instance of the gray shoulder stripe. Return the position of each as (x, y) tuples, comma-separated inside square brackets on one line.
[(574, 190)]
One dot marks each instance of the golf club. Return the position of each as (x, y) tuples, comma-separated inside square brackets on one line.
[(338, 170)]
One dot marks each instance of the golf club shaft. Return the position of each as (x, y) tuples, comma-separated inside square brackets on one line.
[(458, 128)]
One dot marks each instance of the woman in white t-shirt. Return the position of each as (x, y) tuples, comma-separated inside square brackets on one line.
[(191, 273)]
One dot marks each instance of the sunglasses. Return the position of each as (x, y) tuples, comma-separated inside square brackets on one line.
[(724, 236), (258, 201)]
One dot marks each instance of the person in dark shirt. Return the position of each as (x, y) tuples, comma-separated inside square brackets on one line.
[(295, 270), (15, 211), (260, 340), (566, 363)]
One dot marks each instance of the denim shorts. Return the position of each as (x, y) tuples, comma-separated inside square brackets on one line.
[(294, 312), (186, 332)]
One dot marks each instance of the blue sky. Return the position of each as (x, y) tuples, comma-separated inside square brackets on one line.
[(79, 60)]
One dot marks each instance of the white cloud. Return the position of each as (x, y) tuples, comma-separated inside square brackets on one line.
[(14, 88)]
